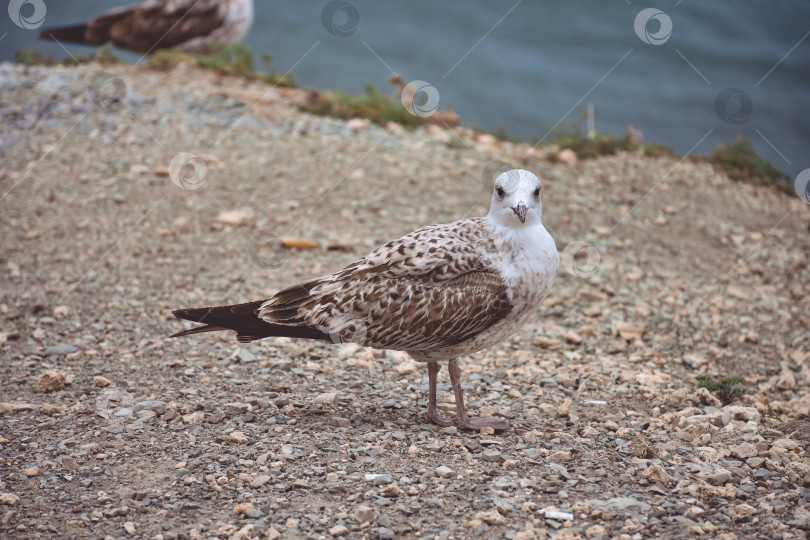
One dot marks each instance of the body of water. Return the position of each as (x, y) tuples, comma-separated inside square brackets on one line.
[(529, 67)]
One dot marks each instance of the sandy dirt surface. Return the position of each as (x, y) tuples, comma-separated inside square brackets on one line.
[(128, 192)]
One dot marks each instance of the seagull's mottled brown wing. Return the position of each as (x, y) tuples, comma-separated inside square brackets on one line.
[(433, 288), (157, 24)]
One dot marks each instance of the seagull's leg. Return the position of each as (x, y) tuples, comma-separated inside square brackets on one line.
[(462, 420), (432, 414)]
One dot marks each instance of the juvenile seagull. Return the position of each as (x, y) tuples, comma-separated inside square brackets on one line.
[(190, 25), (438, 293)]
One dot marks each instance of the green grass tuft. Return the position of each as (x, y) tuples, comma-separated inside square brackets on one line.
[(741, 163), (30, 57), (104, 55), (271, 76), (573, 137), (604, 144), (234, 59), (166, 58), (373, 106), (737, 159), (79, 59), (726, 389), (658, 150)]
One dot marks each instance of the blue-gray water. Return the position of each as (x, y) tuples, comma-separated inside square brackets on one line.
[(527, 73)]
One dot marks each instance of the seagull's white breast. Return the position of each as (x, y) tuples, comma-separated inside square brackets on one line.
[(527, 260)]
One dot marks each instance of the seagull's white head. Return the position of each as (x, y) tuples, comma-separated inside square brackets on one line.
[(516, 199)]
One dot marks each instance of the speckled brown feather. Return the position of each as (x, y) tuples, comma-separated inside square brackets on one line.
[(154, 24), (140, 28), (433, 288)]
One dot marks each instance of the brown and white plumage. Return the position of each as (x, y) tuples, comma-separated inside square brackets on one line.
[(146, 26), (438, 293), (430, 289)]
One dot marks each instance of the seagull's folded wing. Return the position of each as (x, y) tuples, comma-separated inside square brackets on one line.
[(430, 289), (163, 23)]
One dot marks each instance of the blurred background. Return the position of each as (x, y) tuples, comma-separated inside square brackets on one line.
[(528, 69)]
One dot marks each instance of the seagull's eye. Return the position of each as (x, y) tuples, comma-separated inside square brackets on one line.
[(537, 192), (500, 192)]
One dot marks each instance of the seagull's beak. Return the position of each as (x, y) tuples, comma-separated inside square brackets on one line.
[(520, 211)]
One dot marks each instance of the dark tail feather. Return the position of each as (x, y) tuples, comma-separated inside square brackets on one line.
[(70, 34), (198, 330), (244, 320)]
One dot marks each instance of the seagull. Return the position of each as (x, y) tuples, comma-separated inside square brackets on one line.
[(190, 25), (438, 293)]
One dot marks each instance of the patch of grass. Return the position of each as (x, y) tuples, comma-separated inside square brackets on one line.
[(726, 389), (104, 55), (741, 163), (79, 59), (738, 159), (166, 58), (604, 144), (373, 106), (658, 150), (235, 59), (271, 76), (30, 57), (574, 137)]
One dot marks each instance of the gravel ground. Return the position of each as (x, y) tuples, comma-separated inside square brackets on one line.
[(108, 429)]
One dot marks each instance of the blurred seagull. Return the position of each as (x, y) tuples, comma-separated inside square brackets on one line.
[(150, 25), (438, 293)]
